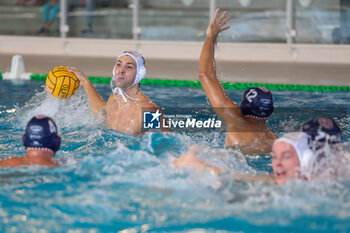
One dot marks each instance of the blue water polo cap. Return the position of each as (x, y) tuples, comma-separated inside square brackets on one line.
[(257, 102), (41, 132), (322, 130)]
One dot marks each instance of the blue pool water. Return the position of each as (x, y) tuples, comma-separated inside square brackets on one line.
[(111, 182)]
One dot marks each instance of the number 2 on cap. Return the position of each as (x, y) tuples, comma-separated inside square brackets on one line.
[(251, 95)]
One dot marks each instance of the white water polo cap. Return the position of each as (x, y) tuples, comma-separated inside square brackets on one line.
[(140, 65), (140, 73), (299, 141)]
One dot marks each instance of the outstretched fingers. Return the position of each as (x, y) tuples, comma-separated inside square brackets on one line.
[(222, 15), (224, 28), (213, 19), (220, 22), (77, 72), (72, 69), (223, 20)]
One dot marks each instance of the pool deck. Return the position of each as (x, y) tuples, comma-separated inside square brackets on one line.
[(236, 62)]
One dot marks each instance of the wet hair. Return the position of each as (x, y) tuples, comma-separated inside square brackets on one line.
[(41, 132), (257, 102)]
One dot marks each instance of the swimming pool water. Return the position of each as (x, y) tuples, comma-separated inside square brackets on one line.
[(111, 182)]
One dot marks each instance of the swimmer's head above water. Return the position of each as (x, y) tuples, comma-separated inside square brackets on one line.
[(300, 154), (290, 155), (257, 102), (41, 134), (128, 71)]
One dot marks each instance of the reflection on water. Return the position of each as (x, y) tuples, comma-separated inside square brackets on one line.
[(110, 181)]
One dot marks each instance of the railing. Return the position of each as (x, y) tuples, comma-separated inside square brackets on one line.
[(290, 21), (283, 21), (64, 27)]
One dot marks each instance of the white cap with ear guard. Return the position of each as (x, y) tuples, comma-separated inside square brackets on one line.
[(299, 141), (140, 63), (140, 72)]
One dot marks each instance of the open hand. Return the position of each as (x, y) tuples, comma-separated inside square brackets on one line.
[(217, 25)]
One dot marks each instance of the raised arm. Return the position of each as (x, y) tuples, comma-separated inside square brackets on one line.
[(97, 103), (207, 70)]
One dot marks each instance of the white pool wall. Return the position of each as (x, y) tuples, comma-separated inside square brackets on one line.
[(319, 64)]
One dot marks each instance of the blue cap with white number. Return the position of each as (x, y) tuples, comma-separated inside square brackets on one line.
[(322, 130), (257, 102)]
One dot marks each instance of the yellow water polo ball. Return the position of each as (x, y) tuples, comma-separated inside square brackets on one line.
[(62, 83)]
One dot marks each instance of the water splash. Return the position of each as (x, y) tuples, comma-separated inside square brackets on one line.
[(67, 113), (331, 161), (110, 181)]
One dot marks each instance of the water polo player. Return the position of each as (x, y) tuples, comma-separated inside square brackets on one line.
[(291, 158), (245, 124), (41, 141), (123, 109)]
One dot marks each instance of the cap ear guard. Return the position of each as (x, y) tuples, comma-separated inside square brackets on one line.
[(140, 66), (56, 143), (141, 74), (24, 140)]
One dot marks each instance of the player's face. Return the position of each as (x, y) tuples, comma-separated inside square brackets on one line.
[(125, 70), (285, 162)]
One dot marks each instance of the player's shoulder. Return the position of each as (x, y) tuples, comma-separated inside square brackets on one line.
[(147, 102), (233, 115), (12, 161), (271, 135)]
